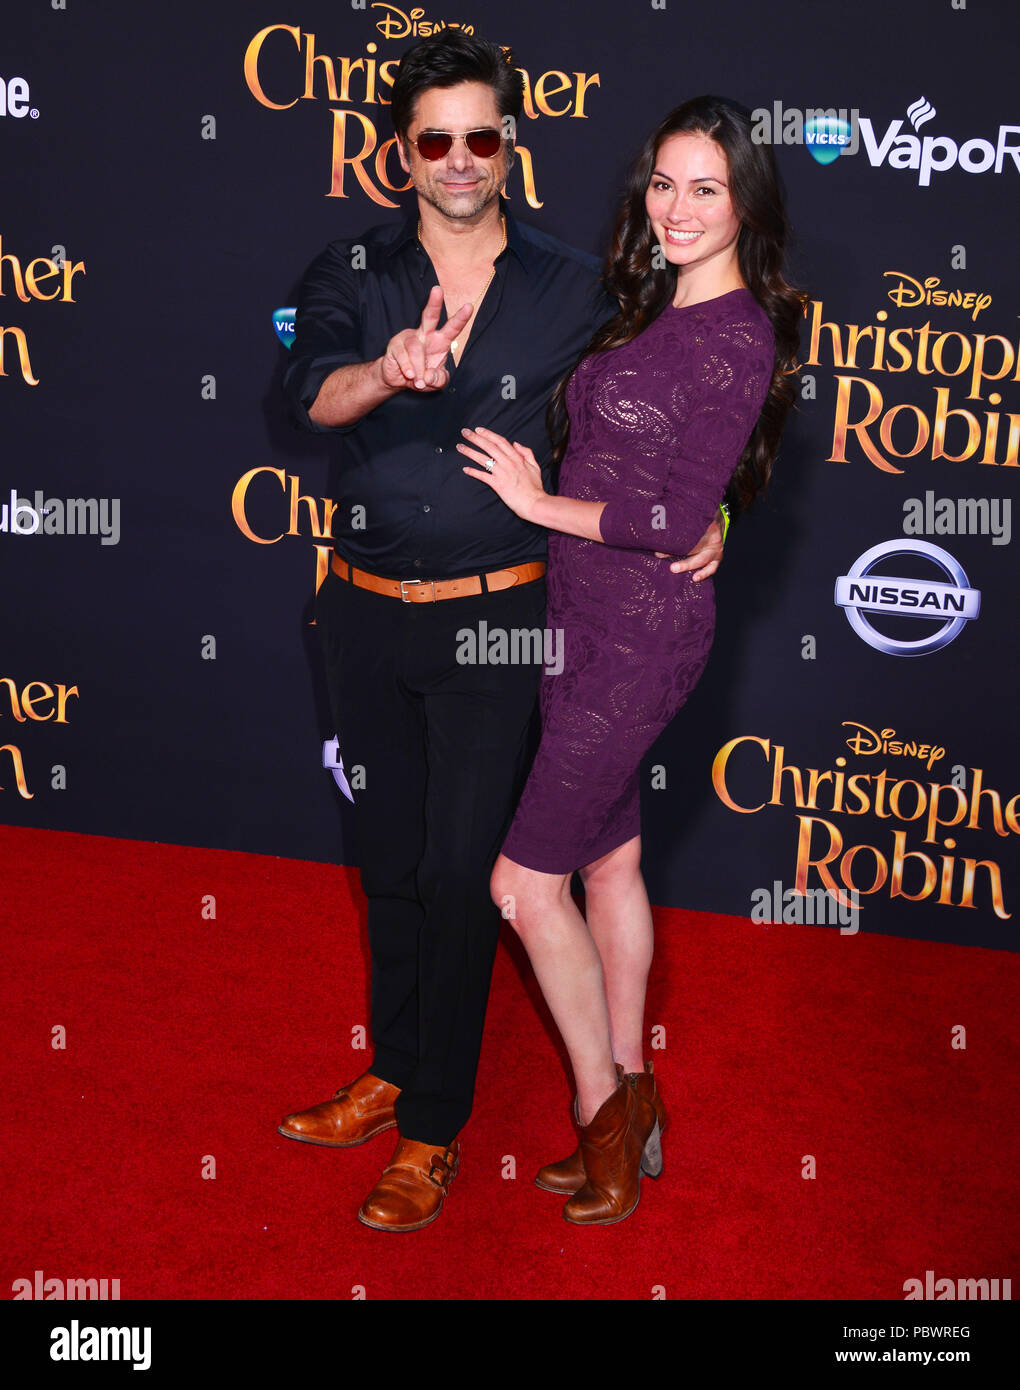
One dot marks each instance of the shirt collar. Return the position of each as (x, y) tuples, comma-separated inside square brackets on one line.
[(515, 242)]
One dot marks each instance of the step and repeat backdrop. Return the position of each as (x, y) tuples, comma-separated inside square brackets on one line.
[(169, 170)]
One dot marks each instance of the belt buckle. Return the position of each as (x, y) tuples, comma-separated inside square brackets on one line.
[(404, 597)]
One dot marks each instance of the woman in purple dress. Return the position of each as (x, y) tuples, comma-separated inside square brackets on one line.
[(678, 400)]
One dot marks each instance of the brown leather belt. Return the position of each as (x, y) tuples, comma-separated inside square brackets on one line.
[(433, 590)]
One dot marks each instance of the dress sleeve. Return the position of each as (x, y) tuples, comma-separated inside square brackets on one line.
[(715, 409), (327, 333)]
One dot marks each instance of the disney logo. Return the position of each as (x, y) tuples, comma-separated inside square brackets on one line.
[(911, 294), (866, 741), (395, 24)]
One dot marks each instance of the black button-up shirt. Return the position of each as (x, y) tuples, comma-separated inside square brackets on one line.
[(404, 507)]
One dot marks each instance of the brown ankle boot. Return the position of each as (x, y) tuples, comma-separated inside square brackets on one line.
[(612, 1147), (567, 1175), (644, 1084)]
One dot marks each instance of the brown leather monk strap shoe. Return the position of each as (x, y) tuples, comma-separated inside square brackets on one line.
[(413, 1186), (357, 1112)]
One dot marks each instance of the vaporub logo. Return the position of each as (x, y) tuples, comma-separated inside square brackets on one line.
[(283, 322), (951, 605), (934, 154), (920, 111)]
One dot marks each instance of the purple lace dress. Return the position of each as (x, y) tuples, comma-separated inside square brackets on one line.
[(657, 427)]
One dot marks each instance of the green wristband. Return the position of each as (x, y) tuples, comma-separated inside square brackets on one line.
[(726, 520)]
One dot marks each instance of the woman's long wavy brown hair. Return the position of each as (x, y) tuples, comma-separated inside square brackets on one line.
[(643, 292)]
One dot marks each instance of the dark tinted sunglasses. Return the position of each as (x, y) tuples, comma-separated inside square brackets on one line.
[(434, 144)]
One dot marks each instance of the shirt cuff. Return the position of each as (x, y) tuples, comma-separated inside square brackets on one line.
[(302, 382)]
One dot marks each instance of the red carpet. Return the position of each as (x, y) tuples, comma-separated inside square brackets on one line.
[(189, 1037)]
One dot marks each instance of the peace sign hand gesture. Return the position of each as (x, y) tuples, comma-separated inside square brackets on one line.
[(416, 358)]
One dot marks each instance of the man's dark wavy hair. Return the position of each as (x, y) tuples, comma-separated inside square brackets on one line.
[(643, 291), (446, 59)]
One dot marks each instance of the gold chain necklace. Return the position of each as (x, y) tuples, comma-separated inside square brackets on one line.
[(492, 273)]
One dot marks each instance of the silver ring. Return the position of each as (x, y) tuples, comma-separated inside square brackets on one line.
[(488, 464)]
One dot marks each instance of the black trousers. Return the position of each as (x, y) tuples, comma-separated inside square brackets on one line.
[(445, 747)]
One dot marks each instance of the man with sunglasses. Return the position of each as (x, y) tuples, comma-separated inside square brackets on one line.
[(423, 554)]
